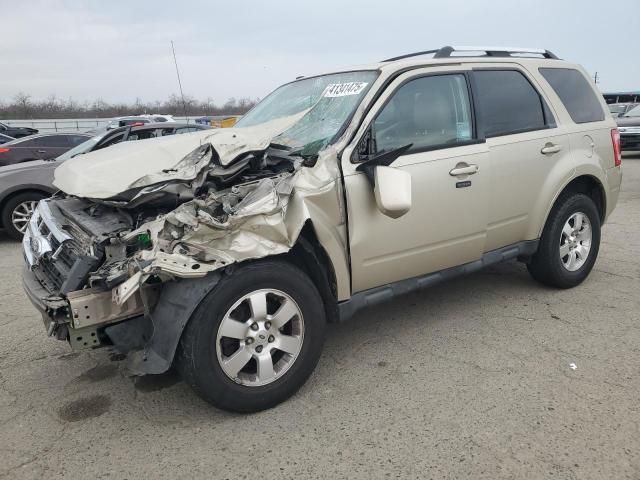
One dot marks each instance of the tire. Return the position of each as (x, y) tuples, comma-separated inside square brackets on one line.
[(13, 204), (201, 353), (546, 265)]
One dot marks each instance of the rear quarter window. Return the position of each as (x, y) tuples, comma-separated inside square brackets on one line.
[(576, 94)]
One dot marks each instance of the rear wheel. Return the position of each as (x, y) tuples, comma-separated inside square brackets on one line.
[(255, 339), (17, 213), (569, 244)]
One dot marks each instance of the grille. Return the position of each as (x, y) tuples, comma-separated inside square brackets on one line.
[(52, 268)]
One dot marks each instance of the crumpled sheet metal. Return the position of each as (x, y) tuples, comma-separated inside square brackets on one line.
[(191, 241), (106, 173)]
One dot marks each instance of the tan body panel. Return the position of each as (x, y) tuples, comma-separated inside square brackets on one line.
[(512, 194), (446, 226)]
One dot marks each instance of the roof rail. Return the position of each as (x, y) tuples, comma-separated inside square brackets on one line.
[(446, 52)]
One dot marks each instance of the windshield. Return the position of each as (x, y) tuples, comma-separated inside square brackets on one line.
[(634, 112), (329, 99), (84, 147)]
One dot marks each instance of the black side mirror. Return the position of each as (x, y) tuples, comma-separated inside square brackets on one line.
[(383, 159)]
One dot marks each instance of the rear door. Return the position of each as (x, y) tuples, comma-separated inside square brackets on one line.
[(524, 143), (19, 151), (51, 146)]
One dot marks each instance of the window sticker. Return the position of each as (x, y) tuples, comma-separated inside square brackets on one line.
[(344, 89)]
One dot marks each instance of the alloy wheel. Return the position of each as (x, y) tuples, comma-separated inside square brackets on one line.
[(22, 214), (260, 337), (575, 241)]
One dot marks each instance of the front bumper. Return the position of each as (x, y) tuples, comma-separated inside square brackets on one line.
[(630, 142), (83, 315), (54, 310)]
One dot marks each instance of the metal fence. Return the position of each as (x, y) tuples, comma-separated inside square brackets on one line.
[(71, 124)]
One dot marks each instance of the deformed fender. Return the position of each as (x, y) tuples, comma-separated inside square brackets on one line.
[(178, 300)]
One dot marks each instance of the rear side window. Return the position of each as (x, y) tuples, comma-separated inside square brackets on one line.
[(576, 94), (52, 141), (508, 103)]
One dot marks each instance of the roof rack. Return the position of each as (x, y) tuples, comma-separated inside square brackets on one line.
[(446, 52)]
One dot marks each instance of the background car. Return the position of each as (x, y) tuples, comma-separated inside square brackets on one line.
[(23, 185), (619, 109), (138, 119), (5, 138), (16, 132), (39, 147), (629, 128)]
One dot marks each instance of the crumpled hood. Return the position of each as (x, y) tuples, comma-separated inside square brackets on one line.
[(110, 171)]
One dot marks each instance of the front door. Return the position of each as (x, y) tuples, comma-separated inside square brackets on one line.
[(446, 225)]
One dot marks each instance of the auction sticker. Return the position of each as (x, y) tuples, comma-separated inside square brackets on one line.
[(344, 89)]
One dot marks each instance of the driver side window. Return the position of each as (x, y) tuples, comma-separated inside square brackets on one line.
[(428, 112)]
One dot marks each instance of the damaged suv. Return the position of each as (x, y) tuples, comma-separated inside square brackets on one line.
[(226, 252)]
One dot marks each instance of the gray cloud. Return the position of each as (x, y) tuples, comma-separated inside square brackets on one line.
[(118, 51)]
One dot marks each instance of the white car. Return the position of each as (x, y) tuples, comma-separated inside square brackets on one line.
[(138, 120)]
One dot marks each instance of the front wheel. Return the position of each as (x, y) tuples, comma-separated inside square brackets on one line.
[(255, 339), (17, 213), (569, 244)]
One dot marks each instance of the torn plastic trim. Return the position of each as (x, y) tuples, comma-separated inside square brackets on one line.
[(170, 316)]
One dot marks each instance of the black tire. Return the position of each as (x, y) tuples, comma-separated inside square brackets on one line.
[(546, 265), (197, 358), (10, 206)]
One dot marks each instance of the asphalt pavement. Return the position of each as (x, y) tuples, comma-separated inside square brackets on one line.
[(488, 376)]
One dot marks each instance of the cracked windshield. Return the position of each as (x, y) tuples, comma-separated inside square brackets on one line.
[(329, 100)]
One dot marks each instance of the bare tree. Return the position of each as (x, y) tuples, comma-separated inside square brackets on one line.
[(23, 101), (23, 106)]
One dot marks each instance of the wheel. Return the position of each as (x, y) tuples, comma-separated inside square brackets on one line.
[(255, 339), (569, 244), (17, 212)]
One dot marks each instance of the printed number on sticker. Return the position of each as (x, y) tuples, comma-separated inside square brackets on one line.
[(343, 89)]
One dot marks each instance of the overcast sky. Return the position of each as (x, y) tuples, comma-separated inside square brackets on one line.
[(121, 50)]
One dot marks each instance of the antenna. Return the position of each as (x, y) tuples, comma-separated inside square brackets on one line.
[(184, 105)]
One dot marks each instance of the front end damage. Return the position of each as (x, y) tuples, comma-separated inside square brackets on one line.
[(128, 268), (145, 230)]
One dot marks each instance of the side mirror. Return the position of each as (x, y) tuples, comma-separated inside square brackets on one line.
[(392, 189)]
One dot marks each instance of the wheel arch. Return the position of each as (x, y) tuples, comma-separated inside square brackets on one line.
[(588, 183), (309, 255)]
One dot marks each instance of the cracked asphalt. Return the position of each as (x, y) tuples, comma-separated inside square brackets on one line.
[(470, 379)]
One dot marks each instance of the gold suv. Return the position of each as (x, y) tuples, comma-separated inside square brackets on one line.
[(227, 251)]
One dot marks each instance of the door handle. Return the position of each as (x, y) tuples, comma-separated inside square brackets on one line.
[(550, 148), (464, 169), (41, 151)]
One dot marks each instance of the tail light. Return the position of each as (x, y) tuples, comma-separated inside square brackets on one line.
[(617, 151), (4, 150)]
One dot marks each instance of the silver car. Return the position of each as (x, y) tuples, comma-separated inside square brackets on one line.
[(23, 185)]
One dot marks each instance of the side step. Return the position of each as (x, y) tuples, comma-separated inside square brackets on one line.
[(384, 293)]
